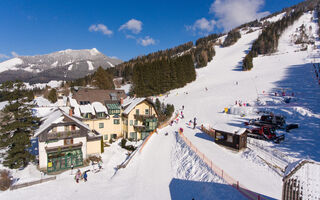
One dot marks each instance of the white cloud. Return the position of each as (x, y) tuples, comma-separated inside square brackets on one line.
[(130, 37), (146, 41), (14, 54), (135, 26), (202, 25), (232, 13), (3, 56), (100, 27)]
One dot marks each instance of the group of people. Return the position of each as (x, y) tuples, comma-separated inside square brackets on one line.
[(80, 176), (240, 103)]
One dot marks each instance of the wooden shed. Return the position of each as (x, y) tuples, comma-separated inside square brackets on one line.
[(235, 140), (301, 180)]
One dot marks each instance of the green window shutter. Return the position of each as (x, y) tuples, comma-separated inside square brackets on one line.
[(147, 111), (131, 122), (105, 137)]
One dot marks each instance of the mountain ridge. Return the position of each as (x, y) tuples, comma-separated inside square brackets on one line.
[(66, 64)]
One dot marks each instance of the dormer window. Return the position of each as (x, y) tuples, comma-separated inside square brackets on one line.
[(86, 115), (113, 109), (101, 115), (84, 102), (113, 96)]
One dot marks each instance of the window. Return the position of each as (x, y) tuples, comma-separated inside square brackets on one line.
[(116, 121), (100, 115), (105, 137), (146, 111), (73, 127), (133, 135), (136, 122), (131, 122), (137, 111), (68, 141), (86, 115), (101, 125), (84, 102), (114, 136), (229, 138)]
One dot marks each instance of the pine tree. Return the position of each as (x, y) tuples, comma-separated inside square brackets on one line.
[(52, 96), (103, 79), (17, 127)]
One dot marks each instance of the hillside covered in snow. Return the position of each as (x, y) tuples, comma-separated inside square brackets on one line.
[(62, 65)]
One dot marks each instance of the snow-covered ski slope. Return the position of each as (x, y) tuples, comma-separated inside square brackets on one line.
[(289, 68)]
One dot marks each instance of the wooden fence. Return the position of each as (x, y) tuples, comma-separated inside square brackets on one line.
[(226, 177), (22, 185)]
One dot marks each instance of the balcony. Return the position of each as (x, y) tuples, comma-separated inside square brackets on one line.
[(143, 128), (63, 134), (143, 117)]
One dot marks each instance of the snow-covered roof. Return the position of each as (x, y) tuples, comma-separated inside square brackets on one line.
[(52, 118), (99, 107), (56, 117), (131, 104), (73, 102), (86, 109), (240, 131), (75, 105), (307, 174)]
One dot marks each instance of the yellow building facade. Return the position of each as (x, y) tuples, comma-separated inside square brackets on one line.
[(139, 120)]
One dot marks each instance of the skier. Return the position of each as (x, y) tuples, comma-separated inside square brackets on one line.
[(99, 165), (190, 123), (182, 107), (194, 123), (85, 176), (171, 122), (180, 131)]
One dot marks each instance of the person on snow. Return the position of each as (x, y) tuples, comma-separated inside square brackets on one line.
[(85, 176), (71, 169), (78, 176), (182, 107), (171, 122), (194, 123), (190, 123)]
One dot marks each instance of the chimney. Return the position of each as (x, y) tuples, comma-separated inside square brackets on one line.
[(121, 101), (70, 112)]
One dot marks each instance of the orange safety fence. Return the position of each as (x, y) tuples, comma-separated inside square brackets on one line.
[(146, 140), (164, 124), (226, 177)]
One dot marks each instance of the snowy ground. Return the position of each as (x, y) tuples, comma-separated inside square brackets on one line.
[(167, 168)]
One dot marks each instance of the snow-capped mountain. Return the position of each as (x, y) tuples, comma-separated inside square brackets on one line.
[(62, 65)]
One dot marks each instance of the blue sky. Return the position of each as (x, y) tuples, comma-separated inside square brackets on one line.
[(124, 29)]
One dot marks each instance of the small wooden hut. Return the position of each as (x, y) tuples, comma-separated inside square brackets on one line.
[(235, 140)]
